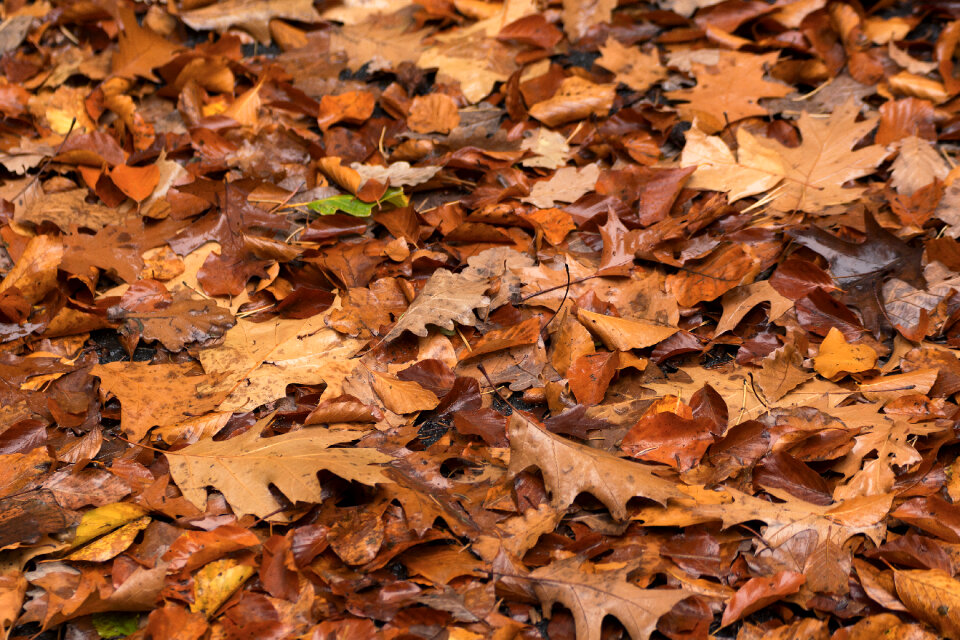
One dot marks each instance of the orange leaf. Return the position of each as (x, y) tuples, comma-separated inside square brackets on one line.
[(136, 182)]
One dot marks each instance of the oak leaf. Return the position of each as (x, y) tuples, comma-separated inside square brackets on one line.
[(592, 592), (259, 360), (566, 185), (154, 395), (243, 468), (446, 298), (569, 469), (634, 67)]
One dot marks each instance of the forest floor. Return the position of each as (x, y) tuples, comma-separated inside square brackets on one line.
[(459, 319)]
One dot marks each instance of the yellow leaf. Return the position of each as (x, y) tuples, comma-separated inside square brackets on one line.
[(112, 544), (838, 356), (105, 519), (215, 583)]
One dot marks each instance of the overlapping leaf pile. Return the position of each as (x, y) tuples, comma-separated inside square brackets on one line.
[(465, 319)]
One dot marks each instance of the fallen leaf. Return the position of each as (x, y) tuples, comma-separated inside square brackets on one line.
[(251, 15), (434, 113), (576, 98), (569, 469), (242, 468), (566, 185), (445, 299), (932, 596), (592, 592), (836, 356)]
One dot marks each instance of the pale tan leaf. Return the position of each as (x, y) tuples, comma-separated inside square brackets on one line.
[(569, 469), (399, 174), (592, 592), (550, 149), (756, 168), (445, 299), (918, 164), (566, 185), (244, 467)]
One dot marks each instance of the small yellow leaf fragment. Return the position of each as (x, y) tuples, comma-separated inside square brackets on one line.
[(838, 356), (215, 583), (105, 519), (112, 544)]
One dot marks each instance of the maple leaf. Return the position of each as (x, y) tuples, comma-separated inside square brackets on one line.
[(242, 468), (139, 50), (817, 169), (729, 90), (550, 149), (252, 15), (569, 468), (756, 168), (592, 592), (446, 298), (566, 185), (256, 361), (635, 68)]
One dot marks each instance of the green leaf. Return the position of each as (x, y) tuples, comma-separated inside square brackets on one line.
[(353, 206), (116, 624)]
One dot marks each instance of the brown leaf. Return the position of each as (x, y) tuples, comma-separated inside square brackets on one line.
[(251, 15), (759, 592), (445, 299), (576, 99), (591, 592), (933, 596), (569, 468), (401, 396), (433, 113), (781, 372), (242, 468)]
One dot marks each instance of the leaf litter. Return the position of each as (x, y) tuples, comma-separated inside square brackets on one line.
[(467, 319)]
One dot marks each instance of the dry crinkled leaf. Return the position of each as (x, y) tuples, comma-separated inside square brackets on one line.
[(252, 15), (837, 355), (624, 334), (259, 360), (634, 67), (569, 469), (181, 322), (380, 42), (398, 174), (475, 61), (566, 185), (932, 596), (917, 165), (244, 467), (35, 273), (446, 298)]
